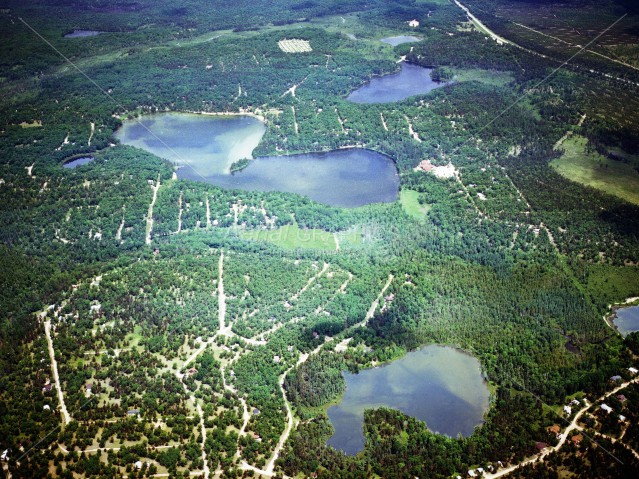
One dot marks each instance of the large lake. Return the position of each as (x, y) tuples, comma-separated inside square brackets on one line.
[(206, 146), (411, 80), (627, 320), (439, 385)]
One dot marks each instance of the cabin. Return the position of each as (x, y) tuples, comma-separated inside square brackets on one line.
[(633, 370), (47, 388), (554, 429), (575, 402), (606, 408), (471, 473), (576, 439), (567, 410), (390, 298), (133, 412), (615, 379), (622, 399), (192, 371), (540, 446), (622, 418), (414, 24)]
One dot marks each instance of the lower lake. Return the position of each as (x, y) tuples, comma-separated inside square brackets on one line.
[(626, 320), (204, 147), (411, 80), (439, 385)]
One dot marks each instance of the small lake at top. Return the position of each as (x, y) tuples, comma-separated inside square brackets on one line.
[(411, 80), (82, 33), (206, 146), (398, 40), (78, 162), (627, 320), (440, 385)]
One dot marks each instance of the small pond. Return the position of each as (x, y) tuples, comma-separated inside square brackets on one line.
[(78, 162), (411, 80), (82, 33), (205, 147), (439, 385), (400, 39), (626, 320)]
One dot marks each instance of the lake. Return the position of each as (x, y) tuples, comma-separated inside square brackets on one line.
[(627, 320), (400, 39), (439, 385), (206, 146), (82, 33), (78, 162), (411, 80)]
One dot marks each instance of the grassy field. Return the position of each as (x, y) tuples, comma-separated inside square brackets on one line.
[(291, 236), (408, 199), (591, 169), (487, 77)]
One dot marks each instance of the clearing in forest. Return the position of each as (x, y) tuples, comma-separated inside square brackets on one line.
[(294, 45), (410, 202), (292, 236), (619, 178)]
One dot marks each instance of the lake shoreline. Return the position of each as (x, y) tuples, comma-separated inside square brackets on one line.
[(615, 307), (440, 398)]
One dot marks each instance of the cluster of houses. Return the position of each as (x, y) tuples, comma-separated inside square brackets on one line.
[(480, 470)]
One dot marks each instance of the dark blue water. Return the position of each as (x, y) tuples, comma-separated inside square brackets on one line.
[(347, 178), (439, 385), (627, 320), (78, 162), (411, 80)]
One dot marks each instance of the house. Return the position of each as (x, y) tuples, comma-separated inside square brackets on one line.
[(47, 388), (276, 359), (615, 379), (540, 446), (256, 411), (622, 418), (471, 473), (633, 370), (133, 412), (192, 371), (575, 402), (567, 410), (622, 398), (89, 387), (606, 408), (138, 465), (389, 298), (46, 407), (414, 24), (480, 470), (576, 439), (5, 455), (555, 429)]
